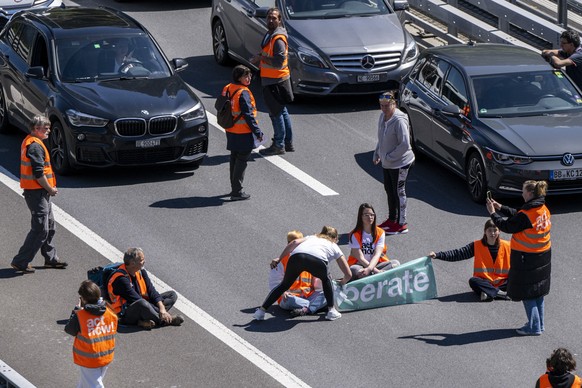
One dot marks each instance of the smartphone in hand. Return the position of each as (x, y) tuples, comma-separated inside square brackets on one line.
[(489, 196)]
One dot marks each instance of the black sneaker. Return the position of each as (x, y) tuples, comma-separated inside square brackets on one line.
[(298, 312), (289, 147), (177, 320), (272, 150), (55, 264), (27, 269), (240, 196)]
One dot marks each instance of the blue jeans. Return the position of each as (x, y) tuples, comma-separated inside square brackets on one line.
[(534, 308), (313, 303), (283, 132)]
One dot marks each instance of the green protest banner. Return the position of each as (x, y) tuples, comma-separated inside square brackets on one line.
[(408, 283)]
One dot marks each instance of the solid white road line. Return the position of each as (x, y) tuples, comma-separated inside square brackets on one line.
[(284, 165), (199, 316)]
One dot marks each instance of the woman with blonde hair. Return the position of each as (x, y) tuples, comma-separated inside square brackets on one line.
[(311, 254)]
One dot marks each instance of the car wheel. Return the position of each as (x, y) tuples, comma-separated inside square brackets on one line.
[(476, 178), (219, 44), (4, 122), (58, 150)]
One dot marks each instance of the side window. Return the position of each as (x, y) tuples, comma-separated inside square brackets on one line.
[(432, 74), (416, 68), (25, 41), (455, 90), (40, 54), (10, 36), (264, 3)]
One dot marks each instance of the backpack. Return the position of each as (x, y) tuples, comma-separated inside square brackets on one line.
[(101, 276), (223, 107)]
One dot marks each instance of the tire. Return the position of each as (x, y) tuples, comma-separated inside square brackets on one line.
[(219, 44), (4, 121), (476, 178), (58, 150)]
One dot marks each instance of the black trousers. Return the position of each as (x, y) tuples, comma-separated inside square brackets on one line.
[(479, 285), (143, 310), (298, 263), (238, 165)]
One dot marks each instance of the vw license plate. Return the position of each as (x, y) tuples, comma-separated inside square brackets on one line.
[(147, 143), (369, 78), (561, 175)]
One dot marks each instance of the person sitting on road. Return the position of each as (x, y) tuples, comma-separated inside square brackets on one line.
[(134, 297), (368, 246), (305, 295), (311, 254), (560, 366), (94, 326), (491, 264)]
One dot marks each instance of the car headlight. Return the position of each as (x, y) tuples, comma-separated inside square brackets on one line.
[(310, 58), (411, 51), (79, 119), (196, 112), (507, 159)]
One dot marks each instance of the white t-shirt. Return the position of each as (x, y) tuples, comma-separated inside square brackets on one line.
[(319, 247), (367, 244)]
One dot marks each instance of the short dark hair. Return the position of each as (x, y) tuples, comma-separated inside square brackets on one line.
[(561, 361), (571, 36), (240, 71), (90, 292), (274, 9)]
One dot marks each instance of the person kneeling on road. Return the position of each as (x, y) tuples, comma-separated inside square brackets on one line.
[(134, 297)]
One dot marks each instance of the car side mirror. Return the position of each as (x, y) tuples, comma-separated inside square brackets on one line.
[(179, 64), (36, 72), (451, 110), (261, 13), (401, 5)]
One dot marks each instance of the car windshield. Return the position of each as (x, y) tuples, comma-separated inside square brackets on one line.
[(327, 9), (525, 94), (91, 59)]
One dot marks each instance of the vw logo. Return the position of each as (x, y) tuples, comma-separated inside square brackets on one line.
[(145, 112), (368, 62), (568, 159)]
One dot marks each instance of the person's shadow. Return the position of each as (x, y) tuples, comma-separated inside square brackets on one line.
[(448, 339), (277, 320)]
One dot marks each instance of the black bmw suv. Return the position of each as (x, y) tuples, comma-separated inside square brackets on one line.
[(112, 96)]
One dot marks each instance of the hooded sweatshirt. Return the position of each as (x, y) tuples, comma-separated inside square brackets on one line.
[(393, 146)]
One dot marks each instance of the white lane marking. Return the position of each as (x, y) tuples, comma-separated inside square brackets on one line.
[(284, 165), (195, 313)]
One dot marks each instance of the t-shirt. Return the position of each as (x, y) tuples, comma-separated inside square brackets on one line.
[(319, 247), (574, 71), (367, 244)]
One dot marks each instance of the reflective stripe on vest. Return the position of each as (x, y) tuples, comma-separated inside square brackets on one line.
[(240, 125), (27, 179), (268, 71), (358, 235), (545, 382), (303, 285), (484, 267), (117, 301), (537, 238), (95, 343)]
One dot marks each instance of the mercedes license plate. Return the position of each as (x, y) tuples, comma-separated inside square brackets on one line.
[(561, 175), (369, 78), (147, 143)]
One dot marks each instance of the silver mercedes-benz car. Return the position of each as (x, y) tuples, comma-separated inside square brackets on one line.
[(335, 46)]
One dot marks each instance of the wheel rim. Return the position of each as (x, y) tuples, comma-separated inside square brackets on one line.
[(219, 42), (475, 178), (57, 142)]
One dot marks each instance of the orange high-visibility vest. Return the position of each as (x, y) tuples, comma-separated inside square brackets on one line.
[(27, 179), (303, 285), (484, 267), (94, 345), (268, 71), (240, 125), (537, 238), (358, 235), (545, 382), (117, 301)]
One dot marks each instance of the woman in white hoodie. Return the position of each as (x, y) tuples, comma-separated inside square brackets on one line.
[(395, 153)]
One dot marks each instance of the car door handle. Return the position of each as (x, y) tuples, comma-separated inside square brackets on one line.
[(414, 94), (250, 12)]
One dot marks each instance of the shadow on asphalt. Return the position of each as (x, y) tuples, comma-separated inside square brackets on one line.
[(278, 321), (192, 202), (462, 297), (447, 339)]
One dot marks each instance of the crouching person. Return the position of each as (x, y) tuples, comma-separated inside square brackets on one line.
[(94, 326), (135, 299)]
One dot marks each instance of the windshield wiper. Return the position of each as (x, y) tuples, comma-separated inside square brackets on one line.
[(331, 15)]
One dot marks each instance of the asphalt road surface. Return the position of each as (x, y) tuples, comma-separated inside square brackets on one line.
[(216, 253)]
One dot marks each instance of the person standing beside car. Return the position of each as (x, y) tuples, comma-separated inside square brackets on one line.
[(531, 254), (394, 151), (276, 81), (239, 138), (569, 56), (38, 181)]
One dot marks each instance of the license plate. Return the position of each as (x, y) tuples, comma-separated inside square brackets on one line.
[(147, 143), (369, 78), (561, 175)]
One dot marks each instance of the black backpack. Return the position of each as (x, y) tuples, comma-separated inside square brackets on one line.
[(223, 107), (101, 276)]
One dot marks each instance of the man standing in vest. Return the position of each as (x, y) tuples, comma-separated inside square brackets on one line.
[(275, 78), (39, 184), (135, 299)]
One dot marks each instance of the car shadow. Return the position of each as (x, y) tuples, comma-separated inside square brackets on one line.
[(449, 339)]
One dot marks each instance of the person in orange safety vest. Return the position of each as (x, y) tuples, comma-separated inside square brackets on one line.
[(560, 366), (38, 181), (491, 264), (94, 327), (305, 295)]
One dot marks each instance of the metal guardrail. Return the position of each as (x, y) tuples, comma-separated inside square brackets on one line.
[(9, 378)]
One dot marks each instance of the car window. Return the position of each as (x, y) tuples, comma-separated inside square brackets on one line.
[(23, 45), (40, 54), (431, 75), (322, 9), (455, 90), (265, 3), (10, 36)]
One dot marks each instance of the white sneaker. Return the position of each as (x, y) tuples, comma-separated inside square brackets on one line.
[(259, 315), (333, 314)]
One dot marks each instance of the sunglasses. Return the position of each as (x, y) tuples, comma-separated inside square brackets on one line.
[(384, 97)]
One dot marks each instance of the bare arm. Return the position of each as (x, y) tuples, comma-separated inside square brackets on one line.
[(288, 249), (345, 268)]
